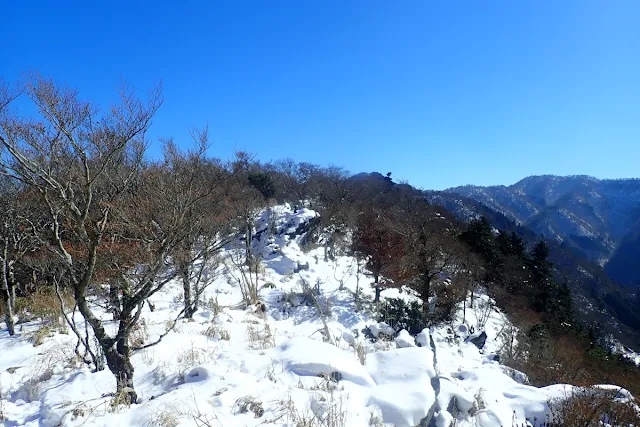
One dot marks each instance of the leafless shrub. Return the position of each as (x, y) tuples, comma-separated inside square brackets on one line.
[(248, 404), (327, 410), (593, 407), (42, 305), (260, 336), (484, 310), (217, 332), (213, 305), (168, 416), (40, 335), (190, 358), (244, 273), (139, 334), (360, 351)]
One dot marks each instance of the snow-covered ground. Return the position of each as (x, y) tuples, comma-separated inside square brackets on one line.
[(287, 366)]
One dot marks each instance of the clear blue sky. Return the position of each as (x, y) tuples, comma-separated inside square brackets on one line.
[(441, 93)]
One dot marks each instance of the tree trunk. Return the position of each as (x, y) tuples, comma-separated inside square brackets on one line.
[(114, 301), (8, 311), (357, 296), (119, 363), (378, 292), (12, 285), (248, 241), (188, 299), (116, 350), (425, 291), (7, 306), (464, 309), (12, 295)]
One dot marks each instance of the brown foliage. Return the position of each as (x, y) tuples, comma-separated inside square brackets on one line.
[(381, 247), (565, 356), (592, 407)]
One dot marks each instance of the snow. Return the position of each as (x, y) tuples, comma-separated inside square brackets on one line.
[(306, 357), (404, 339), (235, 366)]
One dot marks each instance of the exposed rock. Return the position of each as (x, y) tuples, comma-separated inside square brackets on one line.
[(478, 339)]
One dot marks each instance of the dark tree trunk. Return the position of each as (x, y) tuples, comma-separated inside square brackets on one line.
[(378, 292), (12, 284), (248, 241), (425, 290), (8, 311), (114, 301), (377, 287), (116, 350), (5, 295), (119, 363), (188, 298)]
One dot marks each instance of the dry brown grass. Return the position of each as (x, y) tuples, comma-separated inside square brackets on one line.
[(594, 407), (217, 332), (43, 305)]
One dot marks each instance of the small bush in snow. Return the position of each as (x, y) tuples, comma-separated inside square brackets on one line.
[(30, 389), (42, 368), (120, 398), (327, 410), (375, 420), (44, 305), (139, 334), (190, 358), (249, 404), (217, 332), (484, 311), (360, 350), (400, 314), (43, 332), (167, 417), (213, 305), (260, 336)]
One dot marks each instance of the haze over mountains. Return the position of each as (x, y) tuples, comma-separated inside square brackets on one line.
[(598, 219)]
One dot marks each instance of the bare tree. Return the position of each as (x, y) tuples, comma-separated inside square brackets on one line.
[(432, 247), (18, 237), (380, 246), (198, 186), (82, 163)]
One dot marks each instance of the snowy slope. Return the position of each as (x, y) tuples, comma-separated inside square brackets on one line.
[(286, 366)]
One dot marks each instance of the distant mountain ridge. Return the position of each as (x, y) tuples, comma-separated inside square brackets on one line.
[(597, 218)]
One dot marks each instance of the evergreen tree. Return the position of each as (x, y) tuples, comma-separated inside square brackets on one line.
[(549, 297), (263, 183), (563, 305), (541, 276), (517, 245), (480, 238), (503, 240)]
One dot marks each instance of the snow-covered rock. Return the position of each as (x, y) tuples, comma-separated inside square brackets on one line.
[(306, 357), (423, 338), (404, 339), (381, 328), (405, 380)]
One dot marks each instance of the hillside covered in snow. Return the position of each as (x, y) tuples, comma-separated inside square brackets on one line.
[(317, 351), (187, 290)]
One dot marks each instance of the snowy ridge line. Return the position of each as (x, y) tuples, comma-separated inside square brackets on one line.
[(238, 366)]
